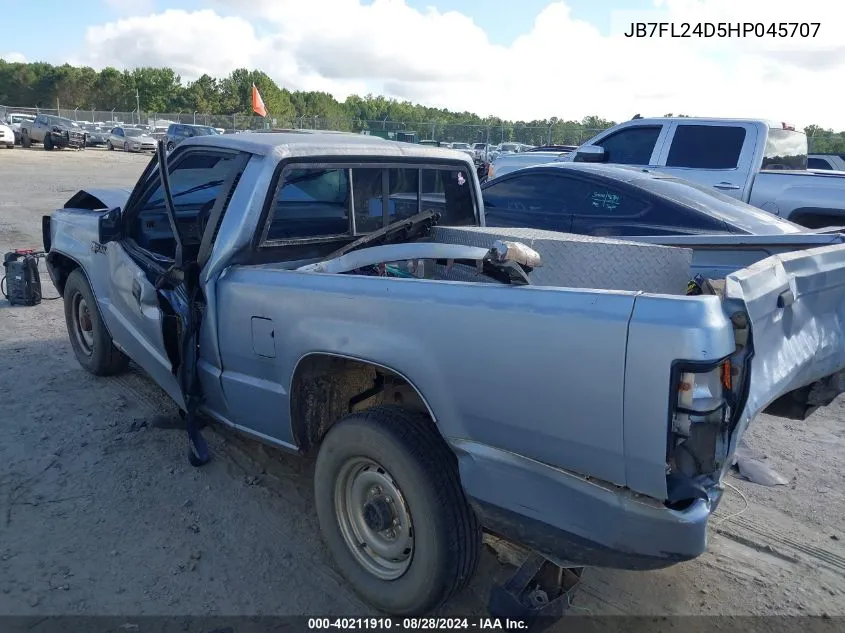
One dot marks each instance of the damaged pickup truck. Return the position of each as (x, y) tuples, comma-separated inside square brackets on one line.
[(338, 295)]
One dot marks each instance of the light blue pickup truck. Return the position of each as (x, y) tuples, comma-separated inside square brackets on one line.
[(562, 392)]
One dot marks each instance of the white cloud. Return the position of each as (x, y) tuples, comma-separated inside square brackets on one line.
[(562, 67), (14, 58)]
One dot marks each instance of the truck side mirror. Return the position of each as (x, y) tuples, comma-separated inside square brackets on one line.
[(590, 154), (110, 226)]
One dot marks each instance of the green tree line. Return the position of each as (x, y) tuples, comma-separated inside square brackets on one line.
[(161, 90)]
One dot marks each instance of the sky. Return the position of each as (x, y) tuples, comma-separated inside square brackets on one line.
[(523, 60)]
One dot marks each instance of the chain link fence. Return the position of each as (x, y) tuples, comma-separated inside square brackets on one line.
[(558, 134)]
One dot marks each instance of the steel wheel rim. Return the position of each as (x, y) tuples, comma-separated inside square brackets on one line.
[(83, 325), (367, 498)]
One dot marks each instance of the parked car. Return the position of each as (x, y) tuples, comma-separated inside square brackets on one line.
[(760, 162), (321, 314), (178, 132), (826, 162), (619, 201), (7, 136), (14, 119), (53, 131), (130, 140), (95, 136)]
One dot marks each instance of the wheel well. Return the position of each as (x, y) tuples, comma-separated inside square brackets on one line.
[(325, 388), (61, 266), (816, 218)]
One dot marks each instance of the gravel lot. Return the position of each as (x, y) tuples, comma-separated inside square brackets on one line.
[(100, 514)]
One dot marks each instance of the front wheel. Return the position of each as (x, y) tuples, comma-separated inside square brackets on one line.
[(126, 147), (25, 140), (392, 510), (109, 146), (91, 342), (48, 142)]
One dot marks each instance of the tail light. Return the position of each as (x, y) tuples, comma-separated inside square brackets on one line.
[(699, 427), (701, 397)]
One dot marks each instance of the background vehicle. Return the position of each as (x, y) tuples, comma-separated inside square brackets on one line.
[(53, 131), (827, 162), (7, 136), (627, 203), (508, 162), (759, 162), (178, 132), (95, 136), (303, 263), (14, 119), (615, 200), (130, 139)]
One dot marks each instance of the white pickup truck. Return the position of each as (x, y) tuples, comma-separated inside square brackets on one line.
[(759, 162)]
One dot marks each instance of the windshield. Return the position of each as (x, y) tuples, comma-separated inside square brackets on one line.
[(62, 121), (205, 131), (131, 132), (479, 146), (17, 118), (509, 147), (740, 216), (460, 146)]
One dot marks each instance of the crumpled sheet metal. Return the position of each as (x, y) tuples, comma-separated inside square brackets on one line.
[(799, 343)]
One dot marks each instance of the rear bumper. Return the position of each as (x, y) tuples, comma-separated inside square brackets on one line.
[(574, 521)]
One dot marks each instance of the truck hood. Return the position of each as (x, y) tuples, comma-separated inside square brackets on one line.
[(98, 199)]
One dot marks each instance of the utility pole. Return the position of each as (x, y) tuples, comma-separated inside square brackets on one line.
[(138, 104)]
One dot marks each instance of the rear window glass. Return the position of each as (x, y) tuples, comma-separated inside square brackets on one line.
[(317, 202), (311, 203), (785, 149), (706, 146)]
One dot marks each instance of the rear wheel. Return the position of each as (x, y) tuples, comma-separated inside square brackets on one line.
[(91, 342), (393, 512), (25, 140), (125, 146)]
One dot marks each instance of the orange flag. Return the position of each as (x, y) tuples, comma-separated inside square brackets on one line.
[(258, 102)]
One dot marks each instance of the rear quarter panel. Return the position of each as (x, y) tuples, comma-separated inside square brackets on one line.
[(535, 371)]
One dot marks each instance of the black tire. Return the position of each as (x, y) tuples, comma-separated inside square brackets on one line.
[(48, 142), (125, 146), (109, 146), (446, 535), (25, 140), (99, 356)]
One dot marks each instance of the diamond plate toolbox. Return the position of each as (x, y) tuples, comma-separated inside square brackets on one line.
[(580, 261)]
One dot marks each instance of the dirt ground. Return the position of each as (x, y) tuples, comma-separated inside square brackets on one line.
[(100, 514)]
